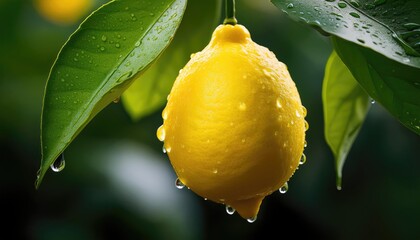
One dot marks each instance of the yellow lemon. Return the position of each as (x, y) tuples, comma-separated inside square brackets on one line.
[(234, 126), (63, 11)]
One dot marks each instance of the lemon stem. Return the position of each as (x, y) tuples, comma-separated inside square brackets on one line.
[(230, 13)]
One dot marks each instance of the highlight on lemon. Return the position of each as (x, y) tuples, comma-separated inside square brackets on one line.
[(234, 125), (64, 12)]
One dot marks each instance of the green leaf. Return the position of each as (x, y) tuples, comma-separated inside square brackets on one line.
[(113, 45), (345, 107), (394, 85), (379, 42), (149, 92), (389, 27)]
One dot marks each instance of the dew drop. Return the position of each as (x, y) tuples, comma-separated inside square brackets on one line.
[(290, 6), (355, 3), (103, 38), (317, 23), (117, 45), (102, 49), (137, 44), (372, 101), (230, 210), (117, 100), (306, 125), (168, 149), (305, 144), (305, 112), (161, 133), (411, 26), (302, 159), (342, 4), (242, 106), (252, 219), (284, 188), (58, 164), (354, 14), (278, 103), (266, 72), (179, 184), (164, 114), (298, 114), (164, 149)]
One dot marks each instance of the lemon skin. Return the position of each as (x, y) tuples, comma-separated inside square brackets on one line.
[(234, 126)]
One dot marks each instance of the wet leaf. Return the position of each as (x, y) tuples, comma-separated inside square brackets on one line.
[(149, 92), (394, 85), (389, 27), (112, 46), (345, 107), (379, 41)]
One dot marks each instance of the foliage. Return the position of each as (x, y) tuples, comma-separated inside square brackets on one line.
[(119, 42), (99, 61), (149, 91), (345, 107), (379, 42)]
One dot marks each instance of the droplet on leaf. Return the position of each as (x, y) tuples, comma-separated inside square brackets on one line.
[(58, 164)]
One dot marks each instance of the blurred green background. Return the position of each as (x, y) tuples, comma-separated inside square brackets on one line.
[(118, 184)]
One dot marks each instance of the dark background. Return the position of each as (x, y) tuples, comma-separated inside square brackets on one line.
[(117, 183)]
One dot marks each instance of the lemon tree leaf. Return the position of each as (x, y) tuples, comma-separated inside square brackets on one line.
[(345, 107), (394, 85), (149, 92), (98, 62), (389, 27), (379, 41)]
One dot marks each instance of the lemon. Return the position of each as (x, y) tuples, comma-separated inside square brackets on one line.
[(63, 11), (234, 126)]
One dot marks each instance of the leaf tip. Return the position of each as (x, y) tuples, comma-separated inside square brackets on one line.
[(338, 182)]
